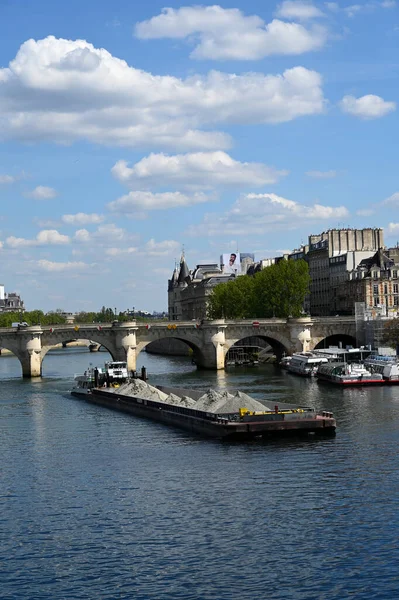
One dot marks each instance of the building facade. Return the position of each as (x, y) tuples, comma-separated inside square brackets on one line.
[(10, 302), (331, 256)]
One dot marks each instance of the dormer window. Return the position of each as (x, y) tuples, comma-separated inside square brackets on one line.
[(375, 274)]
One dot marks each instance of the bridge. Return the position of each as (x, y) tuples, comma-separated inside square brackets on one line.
[(209, 340)]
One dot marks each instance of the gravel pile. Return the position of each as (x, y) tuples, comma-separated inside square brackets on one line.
[(241, 400), (211, 401), (141, 389)]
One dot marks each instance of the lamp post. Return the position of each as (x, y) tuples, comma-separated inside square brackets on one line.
[(115, 311)]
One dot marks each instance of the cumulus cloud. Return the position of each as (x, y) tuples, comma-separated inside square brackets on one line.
[(47, 237), (141, 200), (392, 200), (222, 34), (119, 251), (165, 248), (48, 93), (57, 267), (104, 236), (201, 170), (41, 192), (6, 179), (367, 107), (321, 174), (393, 228), (257, 213), (82, 219), (295, 9)]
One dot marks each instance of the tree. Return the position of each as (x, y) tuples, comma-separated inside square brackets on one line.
[(277, 291)]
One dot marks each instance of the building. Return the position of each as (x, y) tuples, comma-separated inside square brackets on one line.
[(10, 302), (188, 292), (331, 256), (374, 282)]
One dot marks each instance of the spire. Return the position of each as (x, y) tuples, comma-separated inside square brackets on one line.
[(184, 274)]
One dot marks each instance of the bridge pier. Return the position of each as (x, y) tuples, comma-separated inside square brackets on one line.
[(213, 351), (126, 344)]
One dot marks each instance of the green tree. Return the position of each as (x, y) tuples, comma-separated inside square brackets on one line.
[(278, 290)]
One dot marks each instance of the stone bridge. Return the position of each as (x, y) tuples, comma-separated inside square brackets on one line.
[(209, 340)]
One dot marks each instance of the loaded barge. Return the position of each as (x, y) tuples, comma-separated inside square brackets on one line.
[(243, 424)]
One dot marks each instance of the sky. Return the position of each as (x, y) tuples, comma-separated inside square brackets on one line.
[(130, 131)]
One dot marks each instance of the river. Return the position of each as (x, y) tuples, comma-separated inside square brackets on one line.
[(97, 504)]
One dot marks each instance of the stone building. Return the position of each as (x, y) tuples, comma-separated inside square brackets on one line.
[(188, 292), (331, 256), (374, 282), (10, 302)]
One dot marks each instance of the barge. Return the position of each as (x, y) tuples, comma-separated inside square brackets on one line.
[(241, 424)]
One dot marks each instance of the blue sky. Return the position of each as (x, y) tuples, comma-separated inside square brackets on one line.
[(129, 130)]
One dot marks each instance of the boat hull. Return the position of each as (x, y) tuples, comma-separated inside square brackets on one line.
[(213, 426)]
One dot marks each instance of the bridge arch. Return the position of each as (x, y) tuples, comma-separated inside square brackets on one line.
[(337, 339), (280, 345), (46, 347), (198, 355)]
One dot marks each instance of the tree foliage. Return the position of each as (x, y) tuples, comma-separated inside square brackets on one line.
[(33, 317), (277, 291)]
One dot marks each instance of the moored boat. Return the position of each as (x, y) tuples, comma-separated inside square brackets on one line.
[(387, 366), (305, 363), (347, 374)]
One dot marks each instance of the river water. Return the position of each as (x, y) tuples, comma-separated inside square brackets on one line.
[(97, 504)]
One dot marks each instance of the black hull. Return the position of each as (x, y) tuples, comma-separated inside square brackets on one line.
[(208, 425)]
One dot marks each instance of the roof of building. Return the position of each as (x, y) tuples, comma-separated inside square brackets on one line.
[(184, 273), (379, 259)]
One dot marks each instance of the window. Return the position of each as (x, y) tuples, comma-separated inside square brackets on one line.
[(396, 301), (394, 274), (395, 288), (375, 274), (385, 288), (376, 300), (375, 289)]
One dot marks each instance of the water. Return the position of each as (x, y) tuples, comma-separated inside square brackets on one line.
[(99, 504)]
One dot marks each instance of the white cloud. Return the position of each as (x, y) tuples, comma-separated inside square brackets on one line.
[(393, 228), (119, 251), (47, 237), (295, 9), (367, 107), (82, 219), (392, 200), (255, 214), (354, 10), (6, 179), (42, 192), (104, 235), (321, 174), (1, 245), (136, 201), (228, 34), (201, 170), (165, 248), (49, 93), (388, 4), (365, 212), (57, 267)]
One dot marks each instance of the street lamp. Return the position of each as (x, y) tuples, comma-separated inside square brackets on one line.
[(115, 311)]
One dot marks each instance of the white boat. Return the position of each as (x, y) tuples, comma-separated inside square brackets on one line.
[(305, 363), (113, 374), (116, 371), (387, 366), (285, 361), (345, 374)]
